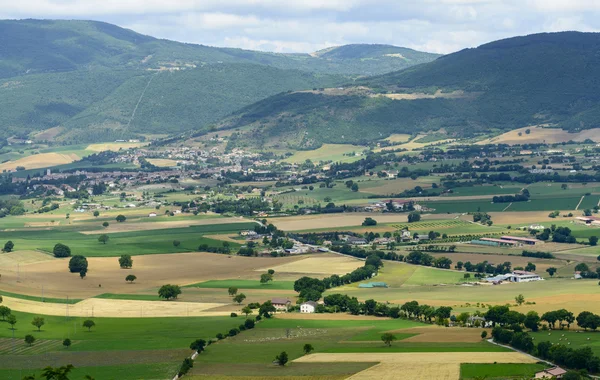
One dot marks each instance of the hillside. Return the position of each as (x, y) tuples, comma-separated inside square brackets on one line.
[(88, 78), (507, 84)]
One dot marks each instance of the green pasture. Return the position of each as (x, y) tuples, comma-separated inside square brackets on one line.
[(244, 284), (451, 207), (485, 190), (160, 370), (40, 299), (498, 371), (570, 338), (136, 243)]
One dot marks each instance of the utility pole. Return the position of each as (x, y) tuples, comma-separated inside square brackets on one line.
[(42, 293)]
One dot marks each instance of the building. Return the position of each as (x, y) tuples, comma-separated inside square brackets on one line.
[(496, 242), (588, 220), (356, 240), (550, 373), (308, 307), (522, 240), (152, 215), (515, 276), (281, 304)]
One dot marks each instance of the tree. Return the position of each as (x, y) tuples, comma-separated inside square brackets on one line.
[(247, 311), (198, 345), (38, 322), (8, 246), (61, 250), (484, 334), (130, 278), (239, 298), (232, 291), (29, 339), (282, 358), (551, 271), (308, 348), (369, 222), (169, 291), (59, 373), (105, 224), (581, 267), (77, 264), (96, 213), (414, 217), (354, 187), (266, 278), (271, 272), (83, 273), (88, 323), (67, 343), (4, 312), (125, 261), (520, 299), (103, 238), (374, 260), (532, 321), (12, 320), (593, 240), (176, 243), (388, 338), (121, 218)]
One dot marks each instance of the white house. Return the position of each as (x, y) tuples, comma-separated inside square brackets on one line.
[(152, 215), (308, 307)]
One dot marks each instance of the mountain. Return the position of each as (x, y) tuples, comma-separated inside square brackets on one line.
[(547, 78), (97, 81)]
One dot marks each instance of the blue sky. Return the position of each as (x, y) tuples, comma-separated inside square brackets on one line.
[(440, 26)]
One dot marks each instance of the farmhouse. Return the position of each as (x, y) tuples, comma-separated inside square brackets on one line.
[(522, 240), (495, 242), (356, 240), (550, 373), (152, 215), (515, 276), (281, 303), (308, 307), (588, 220)]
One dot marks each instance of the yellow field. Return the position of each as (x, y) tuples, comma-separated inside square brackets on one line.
[(398, 138), (321, 265), (10, 260), (42, 160), (327, 152), (117, 308), (458, 94), (441, 366), (162, 162), (539, 135), (115, 146)]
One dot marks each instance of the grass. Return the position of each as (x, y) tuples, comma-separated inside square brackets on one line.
[(244, 284), (499, 370), (40, 299), (109, 372), (135, 297), (572, 339), (140, 242)]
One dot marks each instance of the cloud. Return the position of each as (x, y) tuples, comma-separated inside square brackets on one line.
[(441, 26)]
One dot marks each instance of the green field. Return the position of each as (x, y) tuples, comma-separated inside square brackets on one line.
[(573, 339), (138, 242), (499, 371)]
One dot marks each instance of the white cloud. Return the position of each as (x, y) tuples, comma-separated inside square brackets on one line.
[(441, 26)]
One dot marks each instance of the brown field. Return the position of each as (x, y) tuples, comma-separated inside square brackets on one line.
[(162, 162), (435, 334), (147, 226), (152, 271), (42, 224), (539, 134), (95, 307), (9, 260), (441, 366), (48, 134), (333, 264), (114, 146), (42, 160), (394, 186)]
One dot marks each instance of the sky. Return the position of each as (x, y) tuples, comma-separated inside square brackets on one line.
[(295, 26)]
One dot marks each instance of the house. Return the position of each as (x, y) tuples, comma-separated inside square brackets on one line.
[(281, 304), (308, 307), (522, 240), (248, 233), (536, 227), (550, 373), (523, 276), (152, 215), (356, 240)]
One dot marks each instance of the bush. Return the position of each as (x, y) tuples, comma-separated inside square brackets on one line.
[(234, 332), (61, 250), (233, 315)]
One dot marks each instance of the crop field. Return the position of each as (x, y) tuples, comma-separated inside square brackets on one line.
[(443, 366), (384, 187), (154, 347), (539, 134), (327, 152), (499, 371), (572, 339), (484, 205), (485, 190), (245, 284), (42, 160), (162, 162), (114, 146), (105, 275), (330, 264), (398, 138), (332, 221)]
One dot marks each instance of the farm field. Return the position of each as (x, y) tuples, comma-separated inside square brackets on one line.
[(42, 160), (540, 134), (327, 152), (323, 264), (162, 162), (114, 146), (499, 370)]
